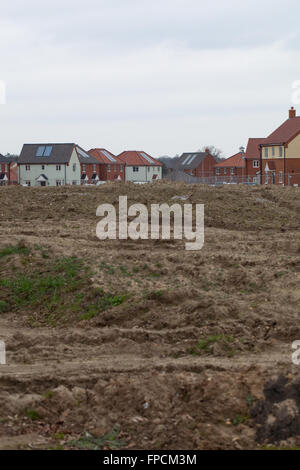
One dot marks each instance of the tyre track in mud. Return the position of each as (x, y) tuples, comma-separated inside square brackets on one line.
[(85, 356)]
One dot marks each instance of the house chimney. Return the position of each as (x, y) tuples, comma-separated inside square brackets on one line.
[(292, 113), (242, 149), (207, 150)]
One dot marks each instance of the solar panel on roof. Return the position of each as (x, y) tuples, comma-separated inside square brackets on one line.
[(147, 158), (192, 159), (40, 151), (82, 153), (186, 159), (109, 156), (48, 151)]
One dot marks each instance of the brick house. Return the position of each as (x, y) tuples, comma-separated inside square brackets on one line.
[(8, 170), (89, 167), (53, 164), (199, 164), (140, 167), (252, 160), (111, 168), (232, 170), (280, 153)]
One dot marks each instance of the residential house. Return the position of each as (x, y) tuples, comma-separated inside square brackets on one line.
[(231, 170), (89, 167), (199, 164), (252, 160), (280, 153), (8, 170), (111, 167), (140, 167), (52, 164)]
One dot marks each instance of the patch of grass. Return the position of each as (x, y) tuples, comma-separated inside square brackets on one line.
[(38, 289), (48, 395), (59, 290), (19, 249), (58, 436), (153, 275), (33, 415), (125, 271), (207, 344), (44, 253), (107, 268), (89, 442), (250, 400), (4, 307), (103, 302), (239, 419)]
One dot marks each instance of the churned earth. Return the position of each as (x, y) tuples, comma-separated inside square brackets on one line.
[(142, 344)]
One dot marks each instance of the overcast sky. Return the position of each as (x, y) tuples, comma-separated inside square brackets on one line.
[(165, 76)]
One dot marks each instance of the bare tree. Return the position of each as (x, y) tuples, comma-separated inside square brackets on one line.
[(214, 151)]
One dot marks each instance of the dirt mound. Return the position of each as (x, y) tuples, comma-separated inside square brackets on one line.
[(142, 344)]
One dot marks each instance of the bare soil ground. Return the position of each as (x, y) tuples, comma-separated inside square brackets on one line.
[(141, 344)]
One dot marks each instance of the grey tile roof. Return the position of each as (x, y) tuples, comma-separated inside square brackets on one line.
[(9, 159), (61, 153), (190, 160), (88, 159)]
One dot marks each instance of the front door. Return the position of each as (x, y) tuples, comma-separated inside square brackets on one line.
[(43, 183)]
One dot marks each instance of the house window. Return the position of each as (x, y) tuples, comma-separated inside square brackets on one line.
[(121, 168), (135, 169), (108, 168), (58, 167), (58, 182), (6, 168), (266, 152), (43, 167), (74, 166), (94, 168), (28, 183), (232, 171), (217, 171), (280, 180), (280, 152), (74, 183), (83, 168), (255, 163), (27, 167), (225, 171), (273, 151)]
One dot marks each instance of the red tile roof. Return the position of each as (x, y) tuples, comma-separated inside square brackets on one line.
[(236, 160), (101, 156), (284, 133), (252, 150), (134, 157)]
